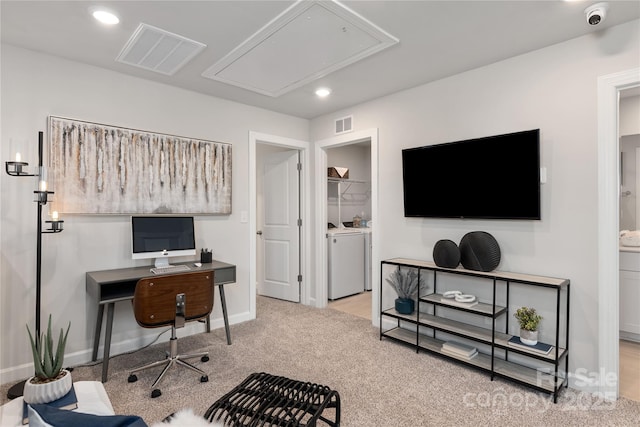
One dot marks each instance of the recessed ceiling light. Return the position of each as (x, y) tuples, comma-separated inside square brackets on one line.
[(105, 17), (323, 92)]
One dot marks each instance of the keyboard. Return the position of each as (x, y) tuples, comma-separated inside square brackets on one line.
[(170, 269)]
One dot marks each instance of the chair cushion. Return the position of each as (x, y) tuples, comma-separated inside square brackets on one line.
[(47, 416)]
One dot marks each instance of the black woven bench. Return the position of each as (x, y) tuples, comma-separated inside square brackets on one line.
[(268, 400)]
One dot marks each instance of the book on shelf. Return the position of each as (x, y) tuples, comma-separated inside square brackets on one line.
[(451, 301), (459, 348), (459, 355), (540, 347), (69, 401)]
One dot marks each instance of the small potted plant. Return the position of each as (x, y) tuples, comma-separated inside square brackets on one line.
[(50, 381), (406, 285), (529, 321)]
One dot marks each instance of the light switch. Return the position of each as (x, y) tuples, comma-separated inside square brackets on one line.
[(244, 217)]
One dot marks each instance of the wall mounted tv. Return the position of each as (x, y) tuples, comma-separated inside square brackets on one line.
[(496, 177)]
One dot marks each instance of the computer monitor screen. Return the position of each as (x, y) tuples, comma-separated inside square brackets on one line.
[(161, 237)]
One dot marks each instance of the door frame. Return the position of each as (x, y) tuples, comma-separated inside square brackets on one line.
[(305, 211), (609, 88), (320, 154)]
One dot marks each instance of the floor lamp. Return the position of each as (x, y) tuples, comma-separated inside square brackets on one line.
[(41, 197)]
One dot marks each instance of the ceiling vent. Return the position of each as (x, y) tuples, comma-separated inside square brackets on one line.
[(305, 42), (344, 124), (158, 50)]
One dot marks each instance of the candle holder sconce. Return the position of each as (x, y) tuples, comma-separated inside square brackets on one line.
[(15, 169), (56, 226)]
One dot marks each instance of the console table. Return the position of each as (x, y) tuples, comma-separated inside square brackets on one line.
[(434, 323), (107, 287)]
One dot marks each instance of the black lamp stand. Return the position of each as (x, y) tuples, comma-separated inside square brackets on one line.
[(41, 199)]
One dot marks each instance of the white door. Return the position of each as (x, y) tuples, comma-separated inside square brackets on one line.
[(279, 231)]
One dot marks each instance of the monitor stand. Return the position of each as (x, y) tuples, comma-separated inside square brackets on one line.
[(162, 262)]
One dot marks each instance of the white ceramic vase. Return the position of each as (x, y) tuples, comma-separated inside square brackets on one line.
[(47, 392), (528, 337)]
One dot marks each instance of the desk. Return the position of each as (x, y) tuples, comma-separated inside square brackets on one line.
[(107, 287)]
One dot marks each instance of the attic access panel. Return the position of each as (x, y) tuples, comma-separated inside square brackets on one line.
[(307, 41)]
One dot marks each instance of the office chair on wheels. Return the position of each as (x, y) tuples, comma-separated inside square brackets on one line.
[(173, 300)]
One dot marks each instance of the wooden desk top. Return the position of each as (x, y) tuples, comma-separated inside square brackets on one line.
[(117, 275)]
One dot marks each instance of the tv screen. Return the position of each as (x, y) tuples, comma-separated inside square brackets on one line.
[(496, 177)]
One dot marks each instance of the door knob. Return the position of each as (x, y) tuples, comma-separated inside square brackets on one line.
[(259, 232)]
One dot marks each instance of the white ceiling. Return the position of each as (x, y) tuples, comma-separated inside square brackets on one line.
[(436, 39)]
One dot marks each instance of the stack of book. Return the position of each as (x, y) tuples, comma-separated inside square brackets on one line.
[(459, 350), (68, 401), (540, 347)]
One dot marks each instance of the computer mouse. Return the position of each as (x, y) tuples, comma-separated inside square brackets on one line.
[(197, 264)]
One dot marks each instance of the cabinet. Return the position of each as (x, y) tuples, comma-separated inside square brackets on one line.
[(431, 324), (629, 316)]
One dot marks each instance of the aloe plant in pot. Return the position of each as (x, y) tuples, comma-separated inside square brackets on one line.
[(50, 381), (406, 285)]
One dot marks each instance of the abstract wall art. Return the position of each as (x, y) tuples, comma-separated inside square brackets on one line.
[(102, 169)]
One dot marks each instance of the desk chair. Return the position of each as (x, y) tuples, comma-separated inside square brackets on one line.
[(172, 300)]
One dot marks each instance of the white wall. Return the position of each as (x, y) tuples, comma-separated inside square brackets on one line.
[(630, 115), (554, 89), (35, 86)]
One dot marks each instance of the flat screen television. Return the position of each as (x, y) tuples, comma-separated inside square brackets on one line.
[(496, 177), (161, 237)]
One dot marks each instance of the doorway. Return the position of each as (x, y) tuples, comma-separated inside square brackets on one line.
[(278, 255), (609, 88), (282, 144), (629, 256), (370, 137)]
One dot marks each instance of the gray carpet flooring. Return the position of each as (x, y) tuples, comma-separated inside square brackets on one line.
[(381, 383)]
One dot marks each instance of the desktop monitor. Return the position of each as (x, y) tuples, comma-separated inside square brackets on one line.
[(161, 237)]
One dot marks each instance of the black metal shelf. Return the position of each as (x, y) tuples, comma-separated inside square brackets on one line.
[(495, 361), (482, 309)]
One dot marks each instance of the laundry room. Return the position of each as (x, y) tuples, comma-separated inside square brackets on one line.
[(349, 226)]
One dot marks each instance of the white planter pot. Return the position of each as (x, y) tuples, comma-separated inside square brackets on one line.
[(47, 392), (528, 337)]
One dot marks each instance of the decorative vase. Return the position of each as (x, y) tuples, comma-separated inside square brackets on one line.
[(446, 254), (479, 251), (405, 305), (47, 392), (528, 337)]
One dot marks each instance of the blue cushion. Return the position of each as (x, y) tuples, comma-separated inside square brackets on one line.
[(47, 416)]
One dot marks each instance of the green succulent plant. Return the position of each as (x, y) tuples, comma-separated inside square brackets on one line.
[(406, 283), (528, 318), (48, 363)]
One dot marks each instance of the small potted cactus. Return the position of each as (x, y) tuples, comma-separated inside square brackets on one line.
[(50, 381)]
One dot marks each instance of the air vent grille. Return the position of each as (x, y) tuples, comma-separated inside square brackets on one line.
[(344, 124), (158, 50)]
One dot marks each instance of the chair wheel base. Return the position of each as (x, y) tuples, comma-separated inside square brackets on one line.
[(132, 378), (156, 393), (204, 358), (204, 379)]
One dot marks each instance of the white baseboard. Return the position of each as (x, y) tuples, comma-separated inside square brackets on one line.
[(82, 357), (629, 336)]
